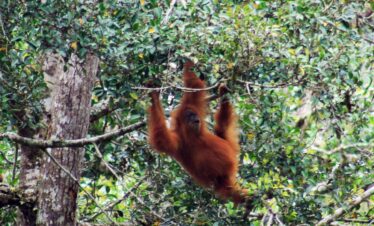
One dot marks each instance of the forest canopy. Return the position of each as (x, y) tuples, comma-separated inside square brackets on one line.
[(301, 79)]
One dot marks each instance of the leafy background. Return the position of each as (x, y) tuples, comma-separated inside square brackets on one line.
[(302, 79)]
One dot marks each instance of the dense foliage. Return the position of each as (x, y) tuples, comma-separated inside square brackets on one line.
[(301, 73)]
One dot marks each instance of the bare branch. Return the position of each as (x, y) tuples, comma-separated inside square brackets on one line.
[(7, 161), (280, 85), (168, 13), (112, 205), (15, 163), (340, 211), (325, 185), (185, 89), (98, 153), (106, 108), (128, 193), (2, 27), (343, 147), (278, 220), (98, 224), (151, 88), (54, 143), (355, 221), (71, 143)]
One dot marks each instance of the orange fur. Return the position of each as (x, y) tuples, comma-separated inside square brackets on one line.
[(211, 159)]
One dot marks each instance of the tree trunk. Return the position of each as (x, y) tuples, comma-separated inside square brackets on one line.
[(71, 86), (29, 176)]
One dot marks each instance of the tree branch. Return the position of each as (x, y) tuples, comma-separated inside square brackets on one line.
[(355, 221), (128, 193), (326, 185), (343, 147), (280, 85), (328, 219), (182, 88), (168, 13), (54, 143), (71, 143), (112, 205)]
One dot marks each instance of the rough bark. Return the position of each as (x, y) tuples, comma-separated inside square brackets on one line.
[(29, 175), (8, 197), (70, 114)]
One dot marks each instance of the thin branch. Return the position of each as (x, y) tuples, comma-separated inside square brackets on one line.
[(129, 192), (112, 205), (264, 219), (106, 107), (278, 220), (340, 211), (280, 85), (151, 88), (368, 40), (7, 161), (55, 143), (2, 27), (98, 153), (325, 185), (185, 89), (270, 220), (354, 221), (15, 163), (328, 6), (343, 147), (168, 13)]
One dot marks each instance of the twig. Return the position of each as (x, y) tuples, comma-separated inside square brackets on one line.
[(151, 89), (98, 153), (15, 163), (129, 192), (328, 6), (368, 40), (168, 13), (279, 221), (343, 147), (2, 26), (5, 158), (325, 185), (185, 89), (264, 219), (280, 85), (354, 221), (340, 211), (112, 205), (271, 219)]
